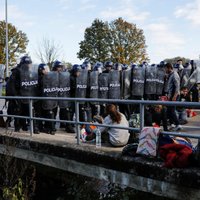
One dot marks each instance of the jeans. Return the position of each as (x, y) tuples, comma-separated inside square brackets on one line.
[(171, 113), (182, 116)]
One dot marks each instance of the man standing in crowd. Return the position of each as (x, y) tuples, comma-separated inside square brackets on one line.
[(173, 93), (181, 111)]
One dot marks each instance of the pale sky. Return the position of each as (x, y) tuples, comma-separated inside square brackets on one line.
[(171, 27)]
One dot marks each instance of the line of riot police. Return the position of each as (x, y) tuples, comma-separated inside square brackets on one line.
[(108, 81)]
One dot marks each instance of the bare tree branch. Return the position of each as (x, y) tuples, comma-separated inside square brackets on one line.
[(48, 51)]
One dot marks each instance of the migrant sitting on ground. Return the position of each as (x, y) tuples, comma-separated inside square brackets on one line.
[(117, 137)]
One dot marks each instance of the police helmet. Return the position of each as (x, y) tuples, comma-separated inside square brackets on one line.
[(133, 66), (162, 64), (97, 65), (117, 66), (144, 63), (57, 64), (25, 60), (188, 65), (76, 68), (86, 65), (176, 66), (124, 67), (42, 67), (108, 64)]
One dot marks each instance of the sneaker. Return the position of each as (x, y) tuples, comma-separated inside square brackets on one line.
[(173, 126), (177, 128)]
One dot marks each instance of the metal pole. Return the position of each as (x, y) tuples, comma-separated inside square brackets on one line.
[(31, 116), (77, 121), (6, 17), (141, 116)]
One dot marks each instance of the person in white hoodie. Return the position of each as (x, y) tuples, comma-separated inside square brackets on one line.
[(117, 137)]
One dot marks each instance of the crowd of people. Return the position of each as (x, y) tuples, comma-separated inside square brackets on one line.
[(100, 81)]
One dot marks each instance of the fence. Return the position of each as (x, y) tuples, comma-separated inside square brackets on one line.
[(77, 101)]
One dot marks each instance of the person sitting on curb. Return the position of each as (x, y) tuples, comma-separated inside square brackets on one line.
[(117, 137)]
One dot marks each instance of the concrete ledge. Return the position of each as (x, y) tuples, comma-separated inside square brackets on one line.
[(139, 173)]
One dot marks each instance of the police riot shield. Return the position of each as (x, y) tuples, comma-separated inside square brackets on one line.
[(126, 83), (160, 80), (64, 89), (103, 85), (138, 77), (28, 82), (2, 69), (50, 89), (81, 84), (193, 79), (150, 80), (185, 76), (93, 84), (114, 91)]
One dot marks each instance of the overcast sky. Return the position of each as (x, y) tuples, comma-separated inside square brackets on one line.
[(171, 27)]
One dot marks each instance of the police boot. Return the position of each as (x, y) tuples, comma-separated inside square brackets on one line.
[(52, 124), (68, 127), (35, 124), (88, 111)]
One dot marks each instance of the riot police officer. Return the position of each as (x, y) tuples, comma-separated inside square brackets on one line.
[(87, 68), (104, 85), (108, 66), (125, 89), (42, 70), (137, 84), (78, 83), (64, 91), (23, 82), (94, 87)]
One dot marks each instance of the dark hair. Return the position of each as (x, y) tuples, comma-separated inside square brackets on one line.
[(169, 66), (184, 88), (6, 79), (179, 60), (114, 114)]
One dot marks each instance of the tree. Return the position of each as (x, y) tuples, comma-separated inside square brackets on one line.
[(128, 42), (48, 51), (118, 41), (174, 60), (17, 43), (68, 65), (95, 46)]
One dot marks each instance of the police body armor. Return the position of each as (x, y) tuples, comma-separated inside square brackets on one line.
[(81, 84), (28, 82), (126, 83), (137, 81), (150, 80), (50, 89), (160, 80), (103, 85), (64, 89), (114, 91), (94, 85)]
